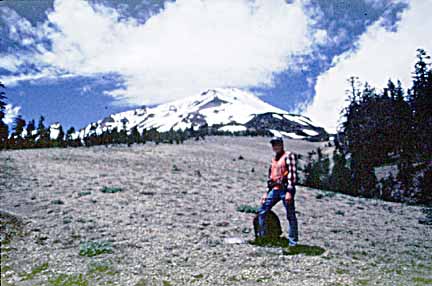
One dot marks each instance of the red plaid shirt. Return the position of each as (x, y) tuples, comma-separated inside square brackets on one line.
[(291, 162)]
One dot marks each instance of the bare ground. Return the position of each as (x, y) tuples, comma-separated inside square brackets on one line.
[(168, 223)]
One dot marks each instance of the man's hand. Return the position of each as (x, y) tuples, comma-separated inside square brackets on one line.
[(288, 197), (270, 184), (263, 199)]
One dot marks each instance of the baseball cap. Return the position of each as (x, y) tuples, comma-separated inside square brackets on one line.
[(276, 139)]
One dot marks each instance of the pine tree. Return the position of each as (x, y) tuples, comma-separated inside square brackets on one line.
[(70, 141), (115, 136), (4, 129), (123, 133), (360, 136), (420, 99), (340, 178), (135, 136), (43, 134), (17, 139), (425, 194), (60, 141), (31, 126), (30, 138), (317, 171), (144, 137), (69, 134)]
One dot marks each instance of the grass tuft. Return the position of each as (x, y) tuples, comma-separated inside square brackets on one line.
[(69, 280), (84, 193), (93, 248), (422, 281), (247, 209), (35, 271), (110, 190), (307, 250)]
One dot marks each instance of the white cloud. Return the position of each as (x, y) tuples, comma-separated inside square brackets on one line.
[(11, 112), (189, 46), (10, 63), (321, 37), (380, 55)]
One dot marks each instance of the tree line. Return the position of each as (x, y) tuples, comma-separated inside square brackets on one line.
[(381, 129), (31, 135)]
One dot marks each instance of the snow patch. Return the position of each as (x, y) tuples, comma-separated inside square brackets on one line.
[(276, 132), (310, 132), (277, 116), (292, 135), (233, 128), (297, 119)]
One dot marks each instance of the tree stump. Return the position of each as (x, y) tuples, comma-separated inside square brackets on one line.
[(272, 225)]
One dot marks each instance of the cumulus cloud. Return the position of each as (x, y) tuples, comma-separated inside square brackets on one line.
[(381, 54), (11, 112), (189, 46)]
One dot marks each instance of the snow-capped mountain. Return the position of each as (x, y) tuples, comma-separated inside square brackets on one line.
[(229, 109)]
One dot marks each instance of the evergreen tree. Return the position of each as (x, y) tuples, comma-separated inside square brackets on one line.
[(60, 140), (420, 99), (69, 134), (17, 138), (317, 171), (31, 126), (43, 134), (362, 137), (123, 137), (144, 137), (340, 178), (70, 141), (4, 129), (425, 194), (30, 138), (135, 136), (91, 138), (115, 136)]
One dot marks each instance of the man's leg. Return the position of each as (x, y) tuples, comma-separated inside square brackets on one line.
[(272, 199), (292, 220)]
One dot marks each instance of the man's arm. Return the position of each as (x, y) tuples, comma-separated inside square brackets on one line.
[(291, 164), (269, 180)]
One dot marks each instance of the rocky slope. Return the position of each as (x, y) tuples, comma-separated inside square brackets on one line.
[(172, 221)]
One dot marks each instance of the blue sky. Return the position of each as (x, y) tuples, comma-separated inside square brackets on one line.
[(78, 61)]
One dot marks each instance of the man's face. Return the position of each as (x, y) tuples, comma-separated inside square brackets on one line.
[(277, 147)]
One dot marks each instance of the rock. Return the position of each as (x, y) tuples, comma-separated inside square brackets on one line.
[(272, 225), (146, 193), (57, 202), (233, 240), (340, 213), (426, 221), (222, 223), (213, 243)]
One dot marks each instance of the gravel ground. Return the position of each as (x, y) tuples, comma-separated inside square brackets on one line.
[(177, 206)]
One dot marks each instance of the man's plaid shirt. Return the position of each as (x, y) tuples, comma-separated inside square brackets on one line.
[(291, 163)]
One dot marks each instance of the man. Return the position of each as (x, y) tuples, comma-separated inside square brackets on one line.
[(281, 186)]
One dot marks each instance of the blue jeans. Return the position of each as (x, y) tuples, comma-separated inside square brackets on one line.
[(272, 198)]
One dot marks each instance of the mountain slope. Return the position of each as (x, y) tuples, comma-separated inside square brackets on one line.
[(228, 109)]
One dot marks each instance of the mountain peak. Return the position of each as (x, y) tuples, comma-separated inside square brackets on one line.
[(227, 108)]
